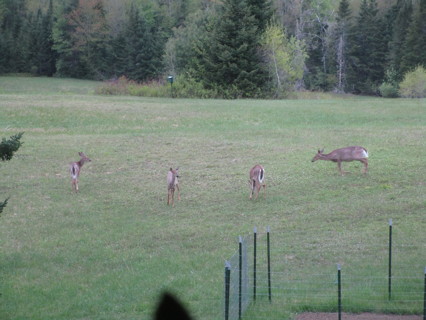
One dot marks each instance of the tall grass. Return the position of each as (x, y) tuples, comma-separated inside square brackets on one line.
[(109, 251)]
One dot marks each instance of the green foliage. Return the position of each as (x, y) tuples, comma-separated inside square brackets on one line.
[(229, 59), (414, 84), (388, 90), (399, 18), (414, 52), (184, 86), (3, 205), (285, 57), (9, 146), (368, 47), (139, 48)]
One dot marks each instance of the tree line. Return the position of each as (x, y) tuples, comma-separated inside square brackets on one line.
[(234, 48)]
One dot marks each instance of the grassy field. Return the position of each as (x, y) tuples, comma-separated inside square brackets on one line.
[(109, 251)]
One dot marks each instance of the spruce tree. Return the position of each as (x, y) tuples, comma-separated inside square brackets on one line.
[(368, 49), (401, 18), (262, 12), (415, 44), (68, 62), (47, 56), (229, 60), (140, 47), (341, 43)]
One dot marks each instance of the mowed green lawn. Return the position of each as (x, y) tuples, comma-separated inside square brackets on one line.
[(109, 251)]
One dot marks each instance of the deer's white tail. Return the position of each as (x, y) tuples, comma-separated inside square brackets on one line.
[(75, 168), (261, 175)]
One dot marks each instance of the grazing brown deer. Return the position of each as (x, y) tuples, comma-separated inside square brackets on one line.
[(172, 184), (75, 168), (257, 180), (344, 154)]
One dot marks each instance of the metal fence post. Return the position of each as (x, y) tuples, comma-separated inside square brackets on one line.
[(254, 262), (424, 299), (227, 287), (240, 278), (339, 291), (390, 261), (268, 229)]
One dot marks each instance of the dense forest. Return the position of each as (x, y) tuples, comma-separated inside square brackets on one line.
[(237, 48)]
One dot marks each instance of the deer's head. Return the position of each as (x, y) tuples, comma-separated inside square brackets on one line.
[(318, 155), (84, 158)]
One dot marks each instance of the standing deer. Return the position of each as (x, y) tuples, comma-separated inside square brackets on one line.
[(75, 168), (344, 154), (172, 184), (257, 180)]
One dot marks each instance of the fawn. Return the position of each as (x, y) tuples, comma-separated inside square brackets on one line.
[(257, 180), (75, 168), (172, 184)]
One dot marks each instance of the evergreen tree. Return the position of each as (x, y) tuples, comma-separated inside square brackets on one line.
[(139, 48), (341, 43), (415, 44), (68, 62), (13, 57), (368, 50), (400, 17), (229, 59), (262, 12), (8, 147), (47, 56), (89, 34)]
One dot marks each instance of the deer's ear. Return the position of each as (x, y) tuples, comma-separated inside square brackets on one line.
[(170, 308)]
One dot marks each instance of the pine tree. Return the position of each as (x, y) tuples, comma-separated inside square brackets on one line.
[(68, 62), (47, 56), (343, 26), (367, 50), (139, 48), (262, 12), (229, 60), (415, 44), (401, 16)]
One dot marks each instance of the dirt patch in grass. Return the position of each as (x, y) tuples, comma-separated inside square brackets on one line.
[(350, 316)]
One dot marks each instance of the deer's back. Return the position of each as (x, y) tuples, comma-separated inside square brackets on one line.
[(349, 153)]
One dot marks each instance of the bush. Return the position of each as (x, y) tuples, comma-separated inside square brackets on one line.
[(9, 147), (388, 90), (183, 87), (414, 84)]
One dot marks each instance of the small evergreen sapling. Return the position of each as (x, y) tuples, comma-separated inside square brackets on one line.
[(9, 147)]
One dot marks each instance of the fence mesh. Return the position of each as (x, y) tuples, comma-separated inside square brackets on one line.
[(304, 273)]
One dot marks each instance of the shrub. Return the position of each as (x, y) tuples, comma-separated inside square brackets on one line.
[(114, 87), (414, 84), (388, 90), (9, 147)]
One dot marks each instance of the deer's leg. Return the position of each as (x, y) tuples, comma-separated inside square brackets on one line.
[(74, 184), (365, 162), (253, 186), (171, 197), (339, 166), (264, 191), (257, 190), (177, 187)]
